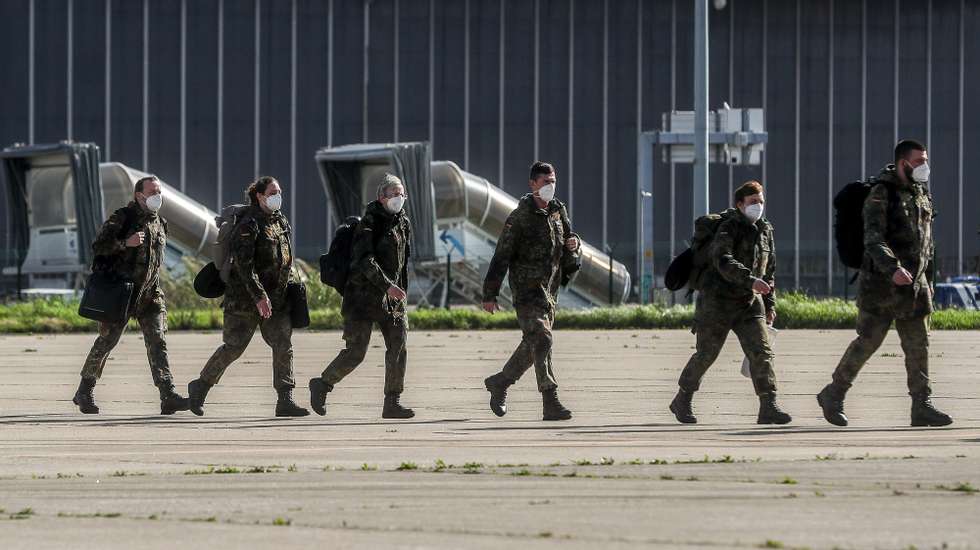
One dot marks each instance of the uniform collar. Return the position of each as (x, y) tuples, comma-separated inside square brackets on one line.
[(528, 199), (141, 212)]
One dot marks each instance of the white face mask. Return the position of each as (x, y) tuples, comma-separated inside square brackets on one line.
[(921, 173), (274, 202), (547, 192), (753, 212), (394, 204), (154, 202)]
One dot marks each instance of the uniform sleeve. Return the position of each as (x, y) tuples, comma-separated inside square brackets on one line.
[(502, 257), (243, 256), (875, 227), (571, 261), (408, 254), (107, 242), (364, 260), (770, 276), (723, 258)]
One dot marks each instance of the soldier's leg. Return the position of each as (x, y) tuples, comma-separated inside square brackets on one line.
[(710, 339), (395, 333), (519, 362), (238, 330), (871, 330), (535, 323), (914, 334), (357, 335), (109, 335), (277, 331), (753, 335), (153, 324)]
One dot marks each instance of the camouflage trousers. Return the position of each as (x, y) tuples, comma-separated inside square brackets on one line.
[(357, 335), (871, 329), (277, 331), (152, 320), (535, 346), (712, 326)]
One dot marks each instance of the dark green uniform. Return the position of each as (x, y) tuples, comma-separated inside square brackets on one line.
[(741, 252), (381, 249), (262, 260), (532, 249), (897, 233), (141, 265)]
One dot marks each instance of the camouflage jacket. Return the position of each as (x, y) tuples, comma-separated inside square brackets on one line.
[(532, 248), (139, 264), (741, 252), (897, 233), (379, 259), (262, 260)]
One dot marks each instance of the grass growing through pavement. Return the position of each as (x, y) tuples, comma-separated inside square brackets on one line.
[(795, 310)]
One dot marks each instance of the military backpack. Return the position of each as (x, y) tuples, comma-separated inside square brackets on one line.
[(691, 265)]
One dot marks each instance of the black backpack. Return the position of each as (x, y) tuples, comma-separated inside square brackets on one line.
[(690, 266), (849, 220), (335, 264)]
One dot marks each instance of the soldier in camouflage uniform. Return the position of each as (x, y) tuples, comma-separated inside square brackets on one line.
[(131, 244), (262, 261), (541, 253), (375, 293), (737, 295), (895, 284)]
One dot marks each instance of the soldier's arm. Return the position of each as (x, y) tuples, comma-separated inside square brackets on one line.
[(770, 275), (408, 254), (571, 261), (723, 258), (243, 259), (107, 242), (363, 254), (502, 257), (875, 229)]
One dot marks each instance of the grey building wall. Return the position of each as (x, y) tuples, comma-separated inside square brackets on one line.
[(210, 93)]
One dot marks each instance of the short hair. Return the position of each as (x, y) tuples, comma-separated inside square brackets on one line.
[(747, 189), (387, 182), (905, 147), (138, 188), (541, 169), (259, 186)]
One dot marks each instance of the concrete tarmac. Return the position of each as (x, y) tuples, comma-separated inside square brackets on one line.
[(621, 474)]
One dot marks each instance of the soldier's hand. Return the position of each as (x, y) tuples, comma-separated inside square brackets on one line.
[(761, 287), (490, 307), (136, 239), (572, 244), (902, 277), (265, 308), (770, 316), (396, 293)]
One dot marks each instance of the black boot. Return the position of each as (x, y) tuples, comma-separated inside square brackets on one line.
[(831, 400), (497, 386), (924, 413), (84, 398), (286, 406), (394, 409), (318, 395), (171, 401), (769, 411), (197, 390), (681, 407), (553, 409)]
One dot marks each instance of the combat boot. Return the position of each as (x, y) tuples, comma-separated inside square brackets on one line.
[(197, 390), (318, 395), (171, 401), (769, 411), (497, 386), (831, 400), (681, 407), (394, 409), (286, 406), (84, 398), (553, 409), (924, 413)]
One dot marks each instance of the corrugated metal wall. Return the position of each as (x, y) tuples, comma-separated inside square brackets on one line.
[(209, 93)]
